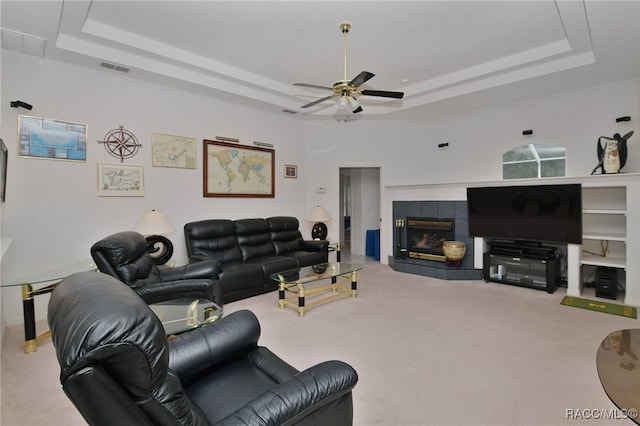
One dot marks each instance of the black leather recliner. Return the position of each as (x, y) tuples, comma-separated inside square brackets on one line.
[(124, 256), (118, 367)]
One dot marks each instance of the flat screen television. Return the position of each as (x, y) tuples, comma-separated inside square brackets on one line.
[(546, 213)]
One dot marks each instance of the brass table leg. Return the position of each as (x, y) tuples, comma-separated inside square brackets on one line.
[(301, 300), (30, 340), (281, 294), (354, 284)]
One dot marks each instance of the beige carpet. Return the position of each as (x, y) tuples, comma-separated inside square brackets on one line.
[(428, 352)]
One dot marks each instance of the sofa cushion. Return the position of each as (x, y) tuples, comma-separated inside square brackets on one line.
[(215, 238), (254, 239), (285, 234), (240, 275)]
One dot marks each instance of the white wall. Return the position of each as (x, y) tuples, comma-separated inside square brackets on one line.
[(52, 210)]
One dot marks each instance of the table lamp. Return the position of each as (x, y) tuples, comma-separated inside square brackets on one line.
[(153, 224), (319, 215)]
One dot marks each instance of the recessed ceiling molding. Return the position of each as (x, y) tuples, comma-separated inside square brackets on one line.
[(490, 67), (545, 68), (109, 54), (145, 44)]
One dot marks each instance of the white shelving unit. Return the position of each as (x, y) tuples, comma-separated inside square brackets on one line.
[(610, 233)]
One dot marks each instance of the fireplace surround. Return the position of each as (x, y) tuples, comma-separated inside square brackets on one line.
[(420, 227)]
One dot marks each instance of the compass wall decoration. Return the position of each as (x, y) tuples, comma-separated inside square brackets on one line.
[(121, 143)]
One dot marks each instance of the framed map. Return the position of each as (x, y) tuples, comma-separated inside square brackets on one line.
[(53, 139), (173, 151), (119, 180), (232, 170)]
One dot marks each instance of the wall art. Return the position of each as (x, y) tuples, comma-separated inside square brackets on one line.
[(118, 180), (173, 151), (290, 171), (232, 170), (121, 143), (51, 139)]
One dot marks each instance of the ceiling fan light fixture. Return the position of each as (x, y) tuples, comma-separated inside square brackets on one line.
[(344, 90), (343, 103)]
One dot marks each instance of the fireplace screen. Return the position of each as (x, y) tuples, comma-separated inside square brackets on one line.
[(425, 237)]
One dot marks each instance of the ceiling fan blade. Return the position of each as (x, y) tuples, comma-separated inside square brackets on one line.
[(310, 104), (361, 78), (357, 110), (313, 86), (383, 93)]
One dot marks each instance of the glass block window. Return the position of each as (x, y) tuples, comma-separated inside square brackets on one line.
[(534, 160)]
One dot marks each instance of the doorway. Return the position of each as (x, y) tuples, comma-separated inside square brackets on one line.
[(359, 210)]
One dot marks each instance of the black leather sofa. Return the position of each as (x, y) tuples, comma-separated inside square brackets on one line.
[(248, 251), (118, 367)]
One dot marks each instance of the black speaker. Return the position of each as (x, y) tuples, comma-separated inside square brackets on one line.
[(606, 282)]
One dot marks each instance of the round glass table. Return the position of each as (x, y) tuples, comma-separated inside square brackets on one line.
[(619, 370)]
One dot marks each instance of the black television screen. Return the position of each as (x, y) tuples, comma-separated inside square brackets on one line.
[(551, 213)]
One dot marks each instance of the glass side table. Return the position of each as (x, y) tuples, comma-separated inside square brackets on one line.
[(53, 277), (180, 315)]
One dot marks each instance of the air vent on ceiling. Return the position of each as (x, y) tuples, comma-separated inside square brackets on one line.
[(288, 111), (114, 67)]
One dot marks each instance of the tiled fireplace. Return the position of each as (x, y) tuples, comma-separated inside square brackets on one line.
[(419, 229)]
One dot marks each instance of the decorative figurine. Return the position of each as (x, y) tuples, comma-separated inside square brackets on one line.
[(613, 155)]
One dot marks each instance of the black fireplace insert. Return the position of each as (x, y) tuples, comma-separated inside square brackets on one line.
[(426, 235)]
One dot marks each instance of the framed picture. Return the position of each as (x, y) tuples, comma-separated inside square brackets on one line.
[(119, 180), (232, 170), (4, 159), (52, 139), (173, 151), (290, 171)]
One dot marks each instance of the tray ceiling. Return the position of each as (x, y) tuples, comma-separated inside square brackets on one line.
[(450, 54)]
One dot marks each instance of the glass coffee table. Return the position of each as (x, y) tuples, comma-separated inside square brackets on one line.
[(51, 279), (180, 315), (302, 283)]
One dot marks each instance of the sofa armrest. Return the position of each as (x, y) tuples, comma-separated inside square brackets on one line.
[(203, 269), (183, 289), (224, 340), (325, 385), (321, 246)]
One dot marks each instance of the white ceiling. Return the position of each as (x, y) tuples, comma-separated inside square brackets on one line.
[(443, 55)]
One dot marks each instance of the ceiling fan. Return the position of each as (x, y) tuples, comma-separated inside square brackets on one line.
[(347, 90)]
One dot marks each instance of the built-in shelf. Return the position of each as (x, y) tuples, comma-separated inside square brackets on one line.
[(595, 260), (604, 236), (605, 211)]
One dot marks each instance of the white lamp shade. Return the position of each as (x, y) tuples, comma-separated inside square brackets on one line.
[(154, 222), (319, 214)]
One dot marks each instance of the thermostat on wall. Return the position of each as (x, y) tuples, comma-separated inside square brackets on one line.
[(321, 190)]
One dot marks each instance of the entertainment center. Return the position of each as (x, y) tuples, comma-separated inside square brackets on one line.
[(524, 225), (524, 264), (609, 247)]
